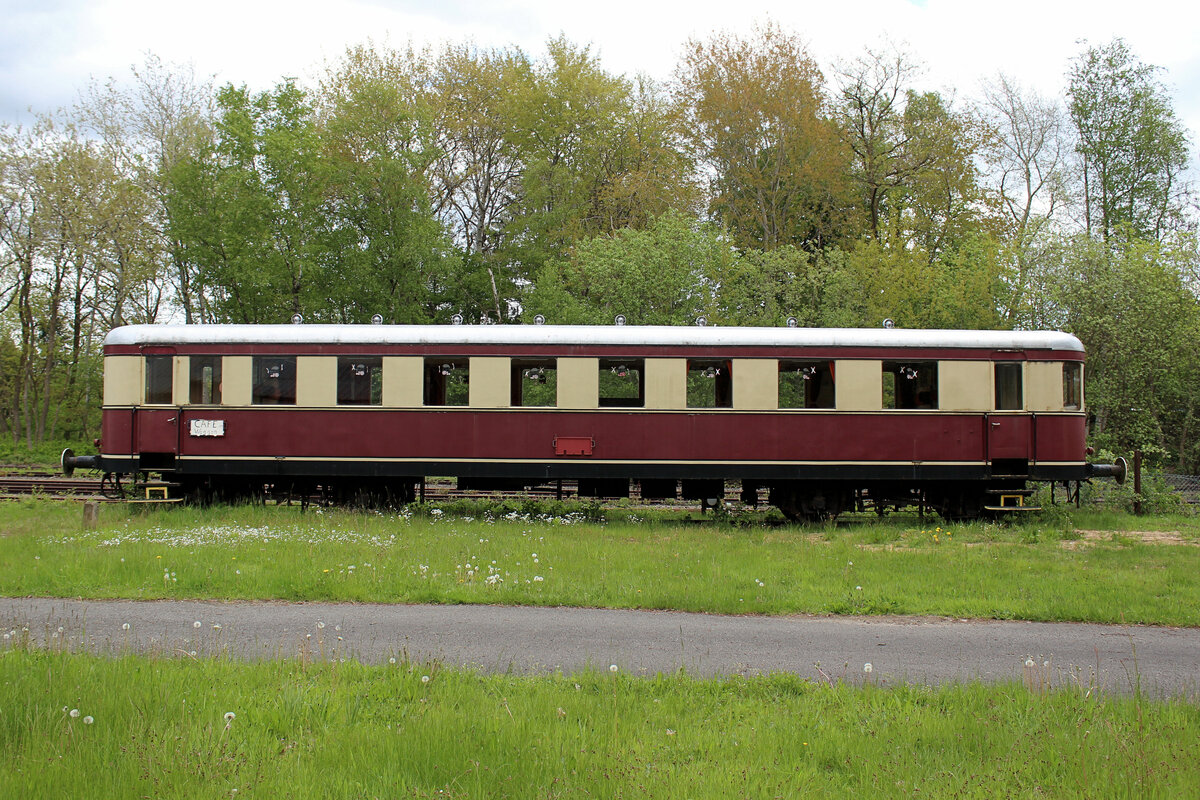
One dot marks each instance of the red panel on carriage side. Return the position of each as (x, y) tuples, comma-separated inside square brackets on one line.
[(656, 436), (116, 431), (1060, 437), (156, 430)]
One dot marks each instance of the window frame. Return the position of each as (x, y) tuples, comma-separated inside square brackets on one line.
[(722, 381), (521, 369), (160, 380), (260, 373), (926, 380), (1014, 368), (196, 381), (346, 380), (1072, 385), (825, 373), (610, 366), (434, 382)]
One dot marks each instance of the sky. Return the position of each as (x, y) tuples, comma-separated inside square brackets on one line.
[(51, 49)]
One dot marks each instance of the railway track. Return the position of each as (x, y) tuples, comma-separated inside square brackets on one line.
[(44, 484), (47, 485)]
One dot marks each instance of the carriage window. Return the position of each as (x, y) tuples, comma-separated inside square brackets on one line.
[(1072, 386), (806, 384), (1009, 390), (709, 383), (910, 384), (534, 382), (622, 383), (158, 379), (274, 381), (205, 379), (447, 381), (359, 381)]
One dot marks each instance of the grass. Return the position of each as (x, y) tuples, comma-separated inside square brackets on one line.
[(1044, 569), (159, 729)]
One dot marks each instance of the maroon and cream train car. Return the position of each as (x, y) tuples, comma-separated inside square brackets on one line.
[(826, 419)]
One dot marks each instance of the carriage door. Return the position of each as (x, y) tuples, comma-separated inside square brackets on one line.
[(156, 421), (1010, 427)]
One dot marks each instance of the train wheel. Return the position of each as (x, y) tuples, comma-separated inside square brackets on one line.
[(815, 504), (959, 505)]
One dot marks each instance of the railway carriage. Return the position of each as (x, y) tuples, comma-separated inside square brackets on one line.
[(821, 420)]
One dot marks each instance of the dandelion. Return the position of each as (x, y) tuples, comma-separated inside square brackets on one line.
[(867, 668), (392, 660), (216, 626), (424, 679), (670, 732), (196, 624), (124, 626), (1029, 663), (858, 588), (65, 709), (74, 713), (230, 716), (612, 668), (320, 624), (88, 720), (538, 579)]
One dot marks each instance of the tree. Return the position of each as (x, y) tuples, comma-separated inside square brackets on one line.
[(250, 210), (478, 173), (913, 155), (567, 111), (1132, 147), (757, 119), (163, 119), (377, 148), (667, 274), (1135, 311), (1025, 153)]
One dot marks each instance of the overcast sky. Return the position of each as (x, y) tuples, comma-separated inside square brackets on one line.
[(49, 49)]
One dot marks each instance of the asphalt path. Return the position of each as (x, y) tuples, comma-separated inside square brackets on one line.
[(1122, 659)]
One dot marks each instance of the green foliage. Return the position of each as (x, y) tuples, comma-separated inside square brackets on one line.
[(757, 117), (664, 275), (1135, 311), (1133, 147)]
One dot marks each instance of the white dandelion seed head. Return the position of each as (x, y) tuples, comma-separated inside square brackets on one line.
[(229, 716), (74, 713), (88, 720), (124, 626), (858, 588), (196, 624), (60, 628), (320, 624), (1046, 664), (1029, 663), (424, 679), (392, 660), (867, 668), (613, 667), (216, 626)]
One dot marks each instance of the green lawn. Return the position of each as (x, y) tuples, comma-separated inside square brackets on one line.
[(1094, 567), (159, 728)]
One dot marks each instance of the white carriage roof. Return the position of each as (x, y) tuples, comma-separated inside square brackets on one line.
[(627, 335)]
